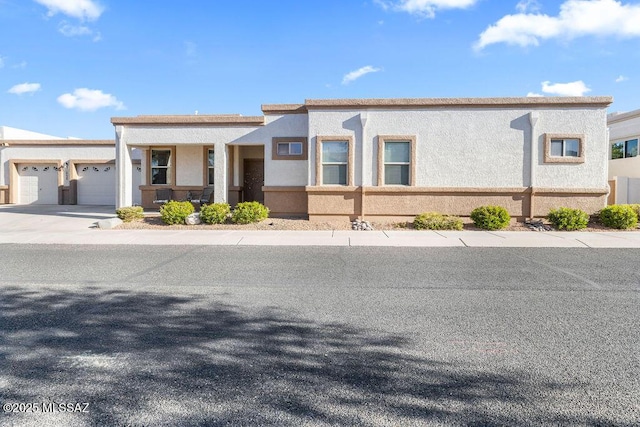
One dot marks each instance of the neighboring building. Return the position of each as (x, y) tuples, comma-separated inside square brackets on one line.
[(44, 169), (624, 163), (391, 158)]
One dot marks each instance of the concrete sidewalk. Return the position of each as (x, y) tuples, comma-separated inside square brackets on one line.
[(75, 225)]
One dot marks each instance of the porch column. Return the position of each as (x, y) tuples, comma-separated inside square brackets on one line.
[(144, 165), (221, 161), (124, 180)]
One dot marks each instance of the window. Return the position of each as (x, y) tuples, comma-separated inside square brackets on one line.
[(160, 166), (396, 160), (335, 160), (624, 149), (289, 148), (210, 167), (559, 148)]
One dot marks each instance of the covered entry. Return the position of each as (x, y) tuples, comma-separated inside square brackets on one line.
[(246, 173)]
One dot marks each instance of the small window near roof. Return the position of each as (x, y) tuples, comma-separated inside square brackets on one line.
[(289, 148), (559, 148)]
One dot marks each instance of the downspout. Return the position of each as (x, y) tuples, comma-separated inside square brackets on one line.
[(363, 122), (533, 119)]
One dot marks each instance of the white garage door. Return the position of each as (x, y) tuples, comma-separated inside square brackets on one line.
[(96, 184), (38, 184)]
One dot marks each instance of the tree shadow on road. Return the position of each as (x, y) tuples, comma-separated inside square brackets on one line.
[(142, 358)]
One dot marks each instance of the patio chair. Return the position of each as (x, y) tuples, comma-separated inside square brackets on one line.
[(206, 195), (194, 196), (163, 195)]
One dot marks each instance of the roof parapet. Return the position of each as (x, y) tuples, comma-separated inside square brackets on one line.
[(217, 119)]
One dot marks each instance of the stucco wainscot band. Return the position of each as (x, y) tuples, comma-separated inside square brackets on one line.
[(286, 200), (403, 202)]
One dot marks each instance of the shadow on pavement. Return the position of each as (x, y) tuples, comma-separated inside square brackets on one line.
[(151, 359)]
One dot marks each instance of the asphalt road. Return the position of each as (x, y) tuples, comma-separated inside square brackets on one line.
[(319, 336)]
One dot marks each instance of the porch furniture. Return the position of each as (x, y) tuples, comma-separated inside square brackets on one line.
[(163, 195), (206, 195)]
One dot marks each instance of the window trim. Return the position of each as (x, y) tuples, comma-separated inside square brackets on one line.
[(283, 139), (172, 171), (205, 165), (411, 139), (548, 158), (350, 159), (624, 148)]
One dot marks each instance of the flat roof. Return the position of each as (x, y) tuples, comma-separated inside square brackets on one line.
[(619, 117), (216, 119)]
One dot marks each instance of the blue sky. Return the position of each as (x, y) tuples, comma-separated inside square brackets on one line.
[(68, 66)]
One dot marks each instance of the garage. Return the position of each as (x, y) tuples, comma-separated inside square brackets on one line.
[(38, 184), (96, 183)]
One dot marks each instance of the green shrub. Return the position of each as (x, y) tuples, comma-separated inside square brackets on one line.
[(215, 213), (130, 213), (636, 208), (568, 219), (436, 221), (175, 212), (619, 216), (490, 217), (248, 212)]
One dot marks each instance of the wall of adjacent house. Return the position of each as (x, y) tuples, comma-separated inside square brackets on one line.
[(621, 131)]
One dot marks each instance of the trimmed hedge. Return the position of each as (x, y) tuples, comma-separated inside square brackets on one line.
[(215, 213), (175, 212), (436, 221), (490, 217), (568, 219), (248, 212), (621, 217), (130, 213)]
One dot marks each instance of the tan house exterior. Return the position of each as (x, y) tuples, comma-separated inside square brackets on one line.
[(379, 158)]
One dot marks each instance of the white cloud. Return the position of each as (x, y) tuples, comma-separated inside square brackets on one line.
[(70, 30), (354, 75), (621, 79), (423, 8), (85, 99), (22, 64), (81, 9), (577, 88), (534, 95), (576, 18), (525, 6), (23, 88)]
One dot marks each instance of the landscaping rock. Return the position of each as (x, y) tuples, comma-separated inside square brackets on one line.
[(109, 223), (360, 225), (537, 225), (193, 219)]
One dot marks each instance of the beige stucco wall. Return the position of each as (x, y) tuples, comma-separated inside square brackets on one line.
[(189, 164), (471, 146), (621, 128)]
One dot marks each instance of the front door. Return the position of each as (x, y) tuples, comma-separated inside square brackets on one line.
[(253, 180)]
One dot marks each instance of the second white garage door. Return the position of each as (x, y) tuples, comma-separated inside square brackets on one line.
[(96, 184)]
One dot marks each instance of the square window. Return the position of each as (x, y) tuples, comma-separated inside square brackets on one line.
[(283, 148), (556, 147), (295, 148), (334, 174), (396, 174), (289, 148)]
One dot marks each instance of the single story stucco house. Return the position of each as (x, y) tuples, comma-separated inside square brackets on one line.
[(624, 162), (375, 158), (42, 169)]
